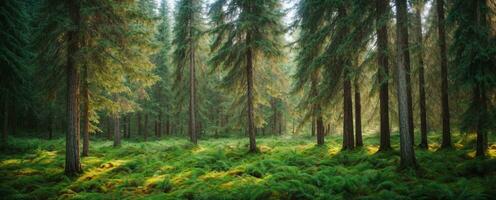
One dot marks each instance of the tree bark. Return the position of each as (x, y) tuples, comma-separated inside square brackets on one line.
[(358, 117), (129, 126), (72, 160), (320, 127), (446, 141), (383, 73), (348, 138), (420, 58), (407, 154), (86, 117), (249, 80), (117, 131), (313, 125), (192, 88)]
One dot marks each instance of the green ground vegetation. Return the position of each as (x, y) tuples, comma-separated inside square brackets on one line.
[(289, 167)]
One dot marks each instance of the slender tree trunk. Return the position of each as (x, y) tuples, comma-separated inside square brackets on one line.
[(117, 131), (446, 141), (86, 117), (192, 93), (348, 138), (50, 122), (313, 125), (129, 126), (160, 124), (383, 72), (72, 160), (5, 120), (109, 127), (274, 115), (249, 79), (358, 116), (481, 120), (420, 59), (320, 126), (407, 153), (145, 128)]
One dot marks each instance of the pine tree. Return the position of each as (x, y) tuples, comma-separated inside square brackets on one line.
[(245, 31)]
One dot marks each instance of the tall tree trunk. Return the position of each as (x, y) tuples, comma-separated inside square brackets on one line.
[(192, 92), (86, 117), (446, 141), (72, 160), (383, 72), (117, 131), (358, 116), (348, 138), (274, 115), (249, 80), (407, 154), (481, 122), (420, 58)]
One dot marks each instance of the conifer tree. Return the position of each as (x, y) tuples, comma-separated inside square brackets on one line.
[(474, 52), (246, 31), (187, 32), (382, 19), (446, 141), (14, 56)]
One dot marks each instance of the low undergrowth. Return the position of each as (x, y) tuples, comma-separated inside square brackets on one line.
[(286, 168)]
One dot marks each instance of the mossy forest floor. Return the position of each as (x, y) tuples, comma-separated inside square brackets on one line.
[(220, 168)]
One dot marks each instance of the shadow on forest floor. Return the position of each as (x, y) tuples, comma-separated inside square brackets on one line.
[(286, 168)]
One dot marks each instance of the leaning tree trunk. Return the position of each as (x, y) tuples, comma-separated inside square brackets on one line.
[(117, 131), (407, 154), (383, 73), (348, 138), (358, 116), (86, 117), (446, 141), (249, 93), (420, 58)]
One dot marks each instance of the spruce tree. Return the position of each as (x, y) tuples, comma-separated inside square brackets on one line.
[(246, 31), (14, 56), (474, 52), (187, 33)]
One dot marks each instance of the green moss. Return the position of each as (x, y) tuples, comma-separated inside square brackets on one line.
[(285, 168)]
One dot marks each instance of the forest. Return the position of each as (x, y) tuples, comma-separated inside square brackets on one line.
[(248, 99)]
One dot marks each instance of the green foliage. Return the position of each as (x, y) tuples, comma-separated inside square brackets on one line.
[(290, 168)]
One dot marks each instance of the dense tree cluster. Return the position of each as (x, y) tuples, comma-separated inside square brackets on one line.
[(230, 67)]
